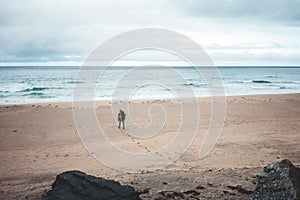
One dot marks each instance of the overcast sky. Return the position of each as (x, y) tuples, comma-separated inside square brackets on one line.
[(232, 32)]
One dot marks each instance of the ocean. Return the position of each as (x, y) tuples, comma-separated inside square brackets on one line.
[(25, 84)]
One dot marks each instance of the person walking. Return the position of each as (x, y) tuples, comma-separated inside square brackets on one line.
[(121, 119)]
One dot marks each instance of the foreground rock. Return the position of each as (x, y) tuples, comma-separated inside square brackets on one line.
[(278, 181), (76, 185)]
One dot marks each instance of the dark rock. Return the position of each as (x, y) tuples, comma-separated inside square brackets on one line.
[(76, 185), (278, 181)]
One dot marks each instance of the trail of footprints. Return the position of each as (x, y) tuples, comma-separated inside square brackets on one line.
[(145, 147)]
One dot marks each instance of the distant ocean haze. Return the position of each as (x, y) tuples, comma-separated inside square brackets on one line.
[(56, 84)]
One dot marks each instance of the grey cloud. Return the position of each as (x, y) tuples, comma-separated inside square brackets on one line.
[(277, 11), (62, 30), (36, 30)]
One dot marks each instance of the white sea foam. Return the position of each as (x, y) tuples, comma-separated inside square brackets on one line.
[(51, 84)]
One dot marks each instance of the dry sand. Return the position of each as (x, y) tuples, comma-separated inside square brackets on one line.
[(38, 141)]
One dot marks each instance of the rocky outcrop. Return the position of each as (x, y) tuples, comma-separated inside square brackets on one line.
[(76, 185), (278, 181)]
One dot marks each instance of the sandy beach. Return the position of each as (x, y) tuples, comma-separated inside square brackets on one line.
[(38, 141)]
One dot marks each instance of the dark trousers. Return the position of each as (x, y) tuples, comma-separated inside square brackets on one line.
[(123, 122)]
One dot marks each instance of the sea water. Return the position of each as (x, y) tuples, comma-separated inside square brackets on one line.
[(56, 84)]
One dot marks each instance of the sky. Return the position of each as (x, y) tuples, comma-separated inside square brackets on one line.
[(232, 32)]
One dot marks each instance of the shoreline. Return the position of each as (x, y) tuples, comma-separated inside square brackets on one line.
[(39, 142), (141, 100)]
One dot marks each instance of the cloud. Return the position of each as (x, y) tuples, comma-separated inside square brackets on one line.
[(55, 30), (275, 11), (253, 58), (67, 31)]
